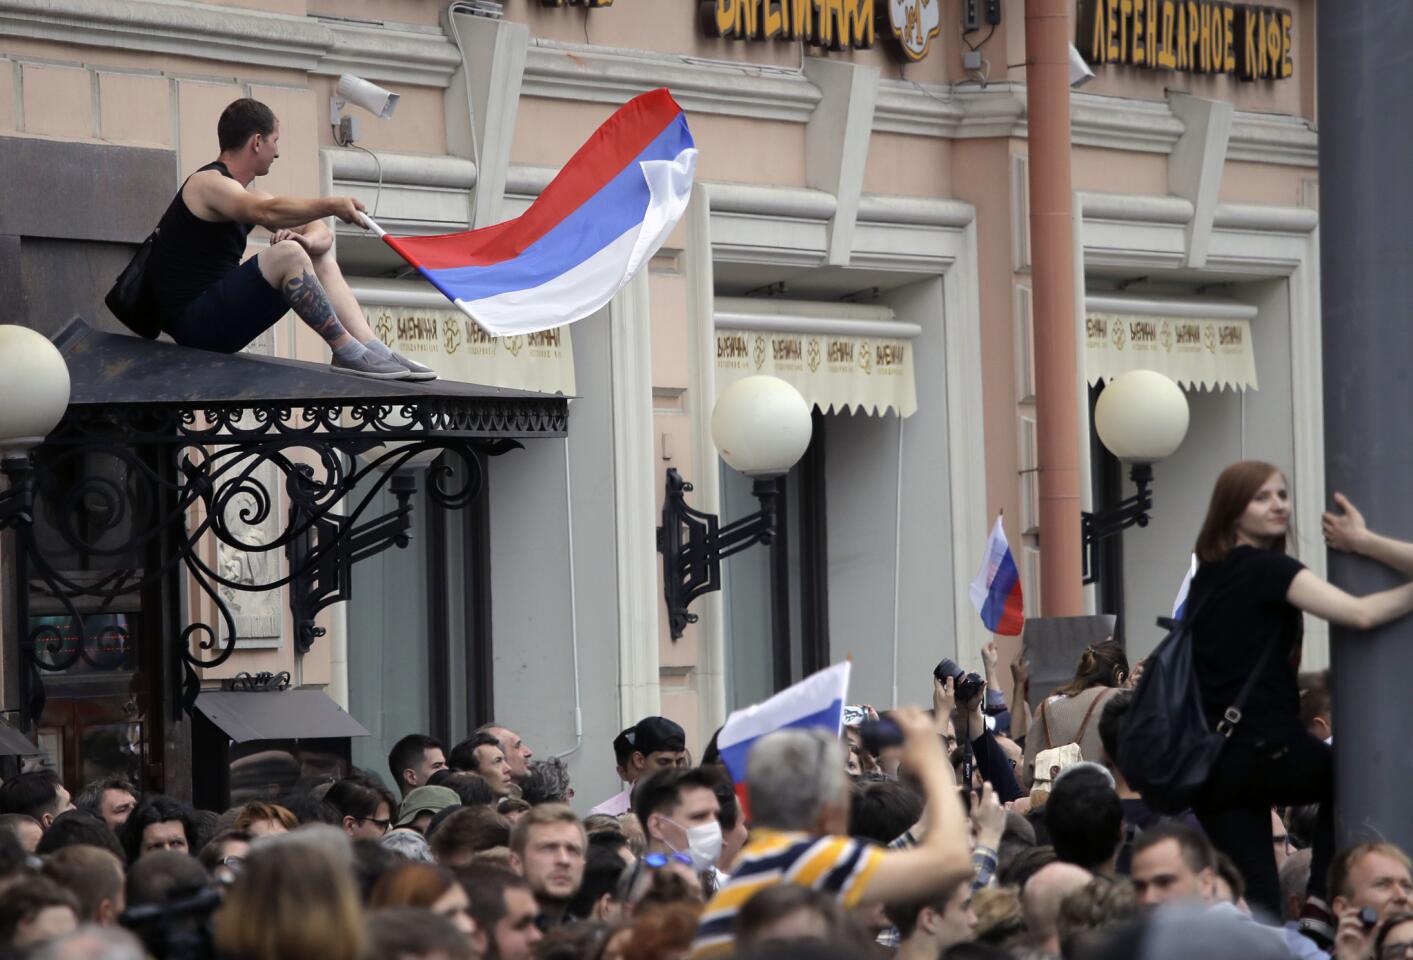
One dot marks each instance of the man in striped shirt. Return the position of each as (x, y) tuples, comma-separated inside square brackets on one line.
[(799, 804)]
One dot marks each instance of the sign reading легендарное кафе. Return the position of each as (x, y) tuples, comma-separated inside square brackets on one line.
[(1193, 36)]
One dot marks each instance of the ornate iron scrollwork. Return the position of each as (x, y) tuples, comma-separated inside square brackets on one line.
[(258, 682), (172, 485)]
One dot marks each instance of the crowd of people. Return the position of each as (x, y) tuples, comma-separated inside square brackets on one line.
[(979, 829)]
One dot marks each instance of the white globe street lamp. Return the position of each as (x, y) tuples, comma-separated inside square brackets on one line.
[(1141, 418), (34, 389), (761, 426), (34, 393)]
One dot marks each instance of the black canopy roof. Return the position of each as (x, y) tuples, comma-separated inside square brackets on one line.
[(111, 373), (284, 715)]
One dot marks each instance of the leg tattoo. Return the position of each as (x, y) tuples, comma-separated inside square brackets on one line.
[(306, 297)]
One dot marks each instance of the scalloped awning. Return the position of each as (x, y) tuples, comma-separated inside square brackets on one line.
[(1197, 352), (451, 344), (831, 371)]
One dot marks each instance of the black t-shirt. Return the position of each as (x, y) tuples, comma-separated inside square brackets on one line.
[(1241, 608)]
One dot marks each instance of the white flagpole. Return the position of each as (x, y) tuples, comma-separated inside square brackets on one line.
[(368, 223)]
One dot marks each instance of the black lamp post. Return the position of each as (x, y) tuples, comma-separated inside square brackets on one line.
[(761, 426), (1141, 417)]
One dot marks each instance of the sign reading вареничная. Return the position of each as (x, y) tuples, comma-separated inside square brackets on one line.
[(1194, 36), (832, 24)]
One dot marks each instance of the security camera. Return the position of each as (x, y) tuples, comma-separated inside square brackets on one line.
[(371, 97), (1080, 74)]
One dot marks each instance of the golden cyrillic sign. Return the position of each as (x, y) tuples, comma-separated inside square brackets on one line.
[(1193, 36), (833, 24)]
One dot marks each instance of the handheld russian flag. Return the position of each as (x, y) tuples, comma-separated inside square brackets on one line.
[(1180, 604), (996, 588), (816, 701), (599, 220)]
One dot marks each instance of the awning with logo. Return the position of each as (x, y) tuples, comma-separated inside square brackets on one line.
[(1206, 346), (839, 356), (417, 321)]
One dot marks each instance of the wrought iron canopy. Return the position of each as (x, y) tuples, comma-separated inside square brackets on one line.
[(162, 390), (167, 454)]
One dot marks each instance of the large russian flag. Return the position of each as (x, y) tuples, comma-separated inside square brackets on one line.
[(996, 588), (816, 701), (605, 214)]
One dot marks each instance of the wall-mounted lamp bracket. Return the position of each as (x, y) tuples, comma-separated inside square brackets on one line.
[(1102, 524), (693, 544)]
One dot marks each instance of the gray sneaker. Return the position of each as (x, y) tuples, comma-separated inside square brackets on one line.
[(372, 366), (415, 370)]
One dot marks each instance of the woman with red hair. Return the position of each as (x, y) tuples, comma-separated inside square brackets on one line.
[(427, 886), (1245, 608)]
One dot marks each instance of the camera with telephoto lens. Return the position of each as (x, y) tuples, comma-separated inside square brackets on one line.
[(966, 685)]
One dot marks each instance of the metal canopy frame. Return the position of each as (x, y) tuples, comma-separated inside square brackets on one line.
[(164, 449)]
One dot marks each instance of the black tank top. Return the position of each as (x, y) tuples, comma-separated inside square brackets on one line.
[(190, 254)]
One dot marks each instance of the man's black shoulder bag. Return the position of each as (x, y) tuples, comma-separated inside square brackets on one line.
[(1166, 749), (131, 300)]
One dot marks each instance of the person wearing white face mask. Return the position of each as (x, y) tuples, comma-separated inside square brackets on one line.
[(678, 810)]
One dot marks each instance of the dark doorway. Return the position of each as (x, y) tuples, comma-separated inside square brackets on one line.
[(799, 578), (97, 670)]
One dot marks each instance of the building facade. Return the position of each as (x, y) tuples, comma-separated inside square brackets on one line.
[(859, 227)]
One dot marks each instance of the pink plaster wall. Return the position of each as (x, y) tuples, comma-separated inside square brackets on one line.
[(1118, 171), (1246, 182), (909, 166), (547, 132)]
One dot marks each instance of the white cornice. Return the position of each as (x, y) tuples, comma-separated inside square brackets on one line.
[(1118, 123), (419, 169), (191, 29), (1134, 208), (916, 211), (398, 53), (958, 111), (406, 53), (1266, 218), (604, 74), (1272, 138)]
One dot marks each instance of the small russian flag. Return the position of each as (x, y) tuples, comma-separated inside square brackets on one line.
[(996, 588), (816, 701), (1180, 604), (596, 224)]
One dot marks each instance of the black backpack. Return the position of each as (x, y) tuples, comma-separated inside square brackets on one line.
[(1166, 748)]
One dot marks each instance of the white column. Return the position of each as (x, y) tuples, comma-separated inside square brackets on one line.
[(630, 346), (706, 477)]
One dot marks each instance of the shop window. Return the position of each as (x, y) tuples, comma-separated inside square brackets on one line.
[(419, 634)]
